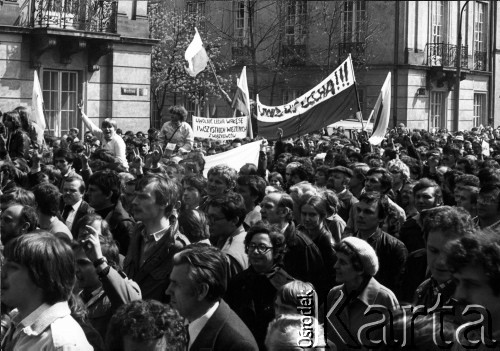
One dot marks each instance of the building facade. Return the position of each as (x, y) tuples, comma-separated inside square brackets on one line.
[(289, 46), (89, 51)]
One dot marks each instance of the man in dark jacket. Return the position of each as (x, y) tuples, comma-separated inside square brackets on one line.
[(197, 284), (104, 196), (442, 225), (391, 252), (303, 259), (154, 240), (73, 189)]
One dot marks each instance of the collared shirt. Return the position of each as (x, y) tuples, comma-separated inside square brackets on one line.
[(49, 327), (235, 247), (196, 326), (150, 240), (72, 214)]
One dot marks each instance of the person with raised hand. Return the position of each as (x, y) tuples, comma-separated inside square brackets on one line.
[(102, 284)]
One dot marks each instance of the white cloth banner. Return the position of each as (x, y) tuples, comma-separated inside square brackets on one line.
[(381, 112), (220, 128), (235, 158), (340, 79), (37, 103), (196, 56), (485, 148)]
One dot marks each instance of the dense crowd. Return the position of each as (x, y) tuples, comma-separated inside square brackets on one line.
[(119, 241)]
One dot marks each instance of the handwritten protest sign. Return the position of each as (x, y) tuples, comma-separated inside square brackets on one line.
[(220, 128), (340, 80)]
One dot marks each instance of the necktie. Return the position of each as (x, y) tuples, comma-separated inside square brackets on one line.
[(67, 210), (186, 327)]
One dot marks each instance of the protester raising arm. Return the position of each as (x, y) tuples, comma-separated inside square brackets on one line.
[(118, 288), (89, 124)]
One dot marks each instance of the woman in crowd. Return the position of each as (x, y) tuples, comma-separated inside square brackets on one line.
[(357, 264), (177, 134), (251, 293)]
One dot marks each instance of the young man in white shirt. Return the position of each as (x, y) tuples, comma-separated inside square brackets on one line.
[(37, 279)]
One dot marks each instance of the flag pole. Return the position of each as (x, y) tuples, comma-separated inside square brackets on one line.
[(357, 95), (226, 96)]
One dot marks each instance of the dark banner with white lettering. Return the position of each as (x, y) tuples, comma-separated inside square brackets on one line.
[(341, 106)]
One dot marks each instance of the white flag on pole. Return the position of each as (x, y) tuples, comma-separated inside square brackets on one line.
[(196, 56), (381, 112), (37, 103), (241, 99)]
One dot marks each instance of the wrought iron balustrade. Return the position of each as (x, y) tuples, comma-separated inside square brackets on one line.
[(445, 55), (480, 60), (85, 15)]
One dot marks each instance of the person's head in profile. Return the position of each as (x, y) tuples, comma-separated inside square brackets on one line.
[(146, 325), (290, 332)]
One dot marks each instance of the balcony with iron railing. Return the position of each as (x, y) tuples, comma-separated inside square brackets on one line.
[(480, 58), (356, 49), (445, 55), (99, 16)]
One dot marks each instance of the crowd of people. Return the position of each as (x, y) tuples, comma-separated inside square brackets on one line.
[(119, 242)]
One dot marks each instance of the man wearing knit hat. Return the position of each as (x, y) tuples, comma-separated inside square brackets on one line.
[(346, 321)]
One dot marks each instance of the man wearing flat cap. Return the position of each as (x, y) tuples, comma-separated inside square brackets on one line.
[(338, 180)]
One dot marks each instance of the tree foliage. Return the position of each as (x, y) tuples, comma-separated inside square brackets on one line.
[(174, 28)]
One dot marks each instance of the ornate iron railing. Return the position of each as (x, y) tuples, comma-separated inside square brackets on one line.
[(480, 60), (294, 55), (86, 15), (445, 55), (356, 49)]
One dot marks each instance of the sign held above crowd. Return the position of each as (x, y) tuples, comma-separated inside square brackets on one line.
[(220, 128), (333, 99)]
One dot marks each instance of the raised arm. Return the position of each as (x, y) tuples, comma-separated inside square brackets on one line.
[(88, 123)]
